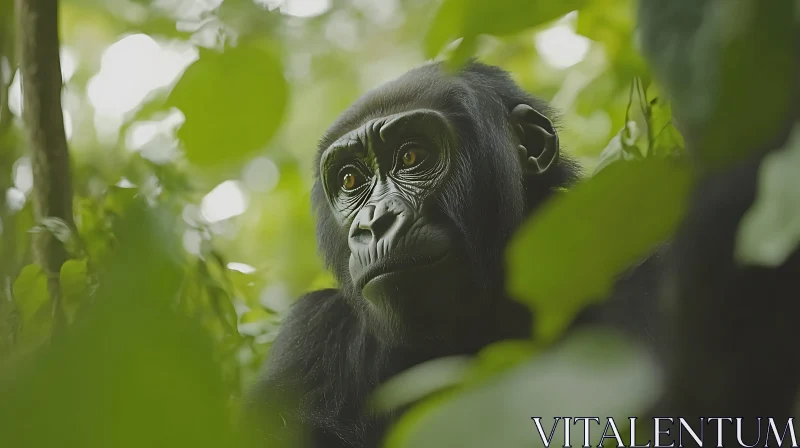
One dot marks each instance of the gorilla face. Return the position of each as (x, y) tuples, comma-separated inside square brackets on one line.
[(381, 180), (420, 185)]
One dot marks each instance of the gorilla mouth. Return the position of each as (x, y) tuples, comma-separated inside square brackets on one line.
[(394, 265)]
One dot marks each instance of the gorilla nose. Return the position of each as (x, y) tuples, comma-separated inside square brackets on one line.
[(380, 224), (384, 220)]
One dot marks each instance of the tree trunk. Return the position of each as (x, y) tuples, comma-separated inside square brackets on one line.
[(8, 242), (40, 66)]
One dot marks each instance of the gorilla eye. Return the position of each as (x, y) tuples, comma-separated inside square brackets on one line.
[(412, 156), (409, 158), (350, 178)]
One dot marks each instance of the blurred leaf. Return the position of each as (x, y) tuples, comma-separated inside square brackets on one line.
[(119, 18), (74, 284), (506, 17), (470, 18), (611, 23), (223, 308), (592, 233), (461, 53), (770, 230), (233, 103), (33, 302), (30, 291), (608, 21), (57, 227), (729, 66), (244, 284), (132, 372), (666, 138), (592, 373), (446, 26), (500, 357), (420, 381), (623, 146), (254, 315), (24, 221), (248, 17), (118, 200), (323, 280)]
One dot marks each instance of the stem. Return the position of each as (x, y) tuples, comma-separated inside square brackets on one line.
[(40, 66)]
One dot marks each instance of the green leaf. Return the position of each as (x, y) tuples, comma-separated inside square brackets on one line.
[(446, 27), (507, 17), (439, 374), (60, 231), (623, 146), (729, 66), (118, 200), (462, 53), (134, 372), (500, 357), (74, 282), (770, 230), (593, 373), (233, 102), (30, 291), (570, 253), (471, 18), (420, 381), (666, 138), (55, 226), (609, 22)]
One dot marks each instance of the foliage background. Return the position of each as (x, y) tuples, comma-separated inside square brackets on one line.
[(121, 60), (192, 127)]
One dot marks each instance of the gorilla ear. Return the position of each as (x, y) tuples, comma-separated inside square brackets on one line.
[(538, 141)]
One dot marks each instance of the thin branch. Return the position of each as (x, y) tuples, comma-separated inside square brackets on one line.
[(40, 66)]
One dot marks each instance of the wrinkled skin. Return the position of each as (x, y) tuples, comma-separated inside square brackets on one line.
[(379, 178)]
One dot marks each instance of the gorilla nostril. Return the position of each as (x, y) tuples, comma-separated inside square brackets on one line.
[(381, 224), (361, 234)]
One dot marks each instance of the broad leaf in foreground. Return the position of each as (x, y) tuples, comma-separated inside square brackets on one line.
[(570, 253), (233, 103), (591, 374)]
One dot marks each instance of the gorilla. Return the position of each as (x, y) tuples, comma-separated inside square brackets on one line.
[(419, 186)]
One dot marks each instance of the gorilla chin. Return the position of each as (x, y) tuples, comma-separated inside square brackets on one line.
[(400, 278), (405, 265), (386, 273), (405, 296)]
